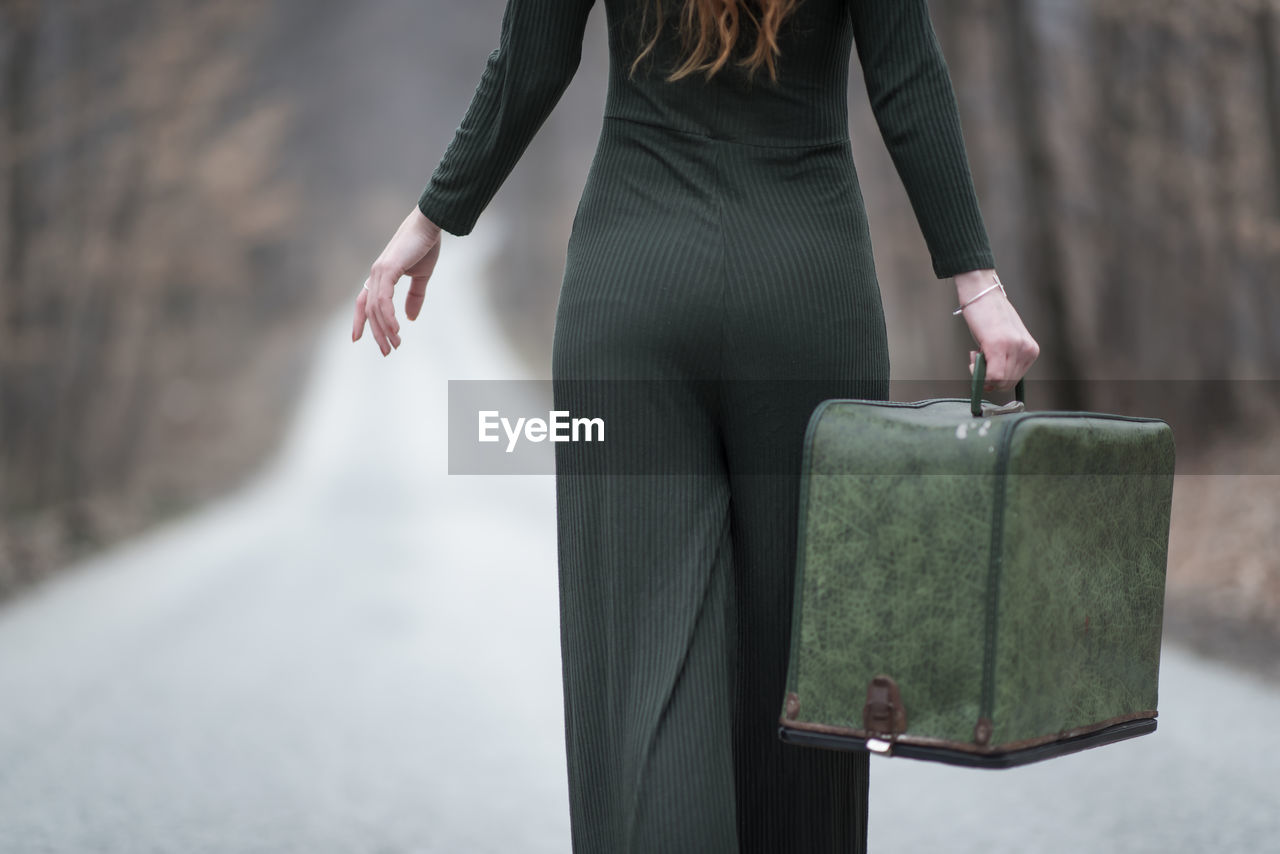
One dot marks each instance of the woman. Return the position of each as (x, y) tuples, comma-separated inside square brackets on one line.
[(720, 257)]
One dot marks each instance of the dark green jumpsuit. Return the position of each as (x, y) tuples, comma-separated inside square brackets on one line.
[(719, 284)]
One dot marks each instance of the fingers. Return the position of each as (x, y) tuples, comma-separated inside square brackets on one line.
[(357, 324), (420, 273), (417, 295), (999, 375), (1008, 361), (385, 305), (387, 321), (995, 367), (379, 334), (380, 308), (378, 330), (366, 312)]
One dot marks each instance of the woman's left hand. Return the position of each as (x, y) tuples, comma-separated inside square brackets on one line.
[(412, 251)]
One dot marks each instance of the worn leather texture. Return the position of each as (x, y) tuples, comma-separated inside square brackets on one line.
[(1007, 568)]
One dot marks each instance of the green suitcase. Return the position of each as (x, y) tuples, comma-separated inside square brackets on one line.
[(977, 585)]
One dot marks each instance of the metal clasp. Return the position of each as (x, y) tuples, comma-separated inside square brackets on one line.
[(876, 745), (883, 714)]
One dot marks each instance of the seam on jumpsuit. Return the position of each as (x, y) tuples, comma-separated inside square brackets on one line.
[(721, 542), (724, 539)]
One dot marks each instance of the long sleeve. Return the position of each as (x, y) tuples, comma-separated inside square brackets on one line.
[(537, 56), (915, 107)]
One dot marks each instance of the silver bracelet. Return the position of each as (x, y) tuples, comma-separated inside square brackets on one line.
[(982, 294)]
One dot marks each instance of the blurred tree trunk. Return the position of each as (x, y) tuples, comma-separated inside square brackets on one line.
[(1266, 303), (1267, 49), (1043, 249), (19, 22), (141, 282)]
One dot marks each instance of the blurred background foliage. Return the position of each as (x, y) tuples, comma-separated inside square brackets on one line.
[(188, 189), (144, 238)]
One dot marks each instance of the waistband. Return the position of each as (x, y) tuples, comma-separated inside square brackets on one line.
[(709, 136)]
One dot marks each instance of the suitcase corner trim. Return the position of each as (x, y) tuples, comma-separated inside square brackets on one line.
[(969, 755)]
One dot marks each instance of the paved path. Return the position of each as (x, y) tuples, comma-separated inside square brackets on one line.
[(359, 653)]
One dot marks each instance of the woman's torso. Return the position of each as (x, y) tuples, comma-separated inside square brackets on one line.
[(721, 232), (807, 105)]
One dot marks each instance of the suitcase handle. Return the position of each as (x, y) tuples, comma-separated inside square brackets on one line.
[(979, 378)]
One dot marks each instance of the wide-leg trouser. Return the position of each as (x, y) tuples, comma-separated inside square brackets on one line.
[(714, 294)]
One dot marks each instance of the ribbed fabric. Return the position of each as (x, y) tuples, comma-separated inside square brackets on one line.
[(906, 75), (720, 254)]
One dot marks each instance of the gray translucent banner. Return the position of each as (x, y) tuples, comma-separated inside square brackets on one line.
[(651, 427)]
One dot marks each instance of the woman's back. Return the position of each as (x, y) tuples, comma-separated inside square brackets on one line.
[(805, 106), (906, 78)]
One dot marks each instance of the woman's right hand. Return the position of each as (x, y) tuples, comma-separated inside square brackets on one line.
[(412, 251), (998, 330)]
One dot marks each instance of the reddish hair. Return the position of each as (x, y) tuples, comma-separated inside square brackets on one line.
[(709, 31)]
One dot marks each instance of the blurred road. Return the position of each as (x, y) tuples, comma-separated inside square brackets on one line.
[(356, 654), (359, 653)]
